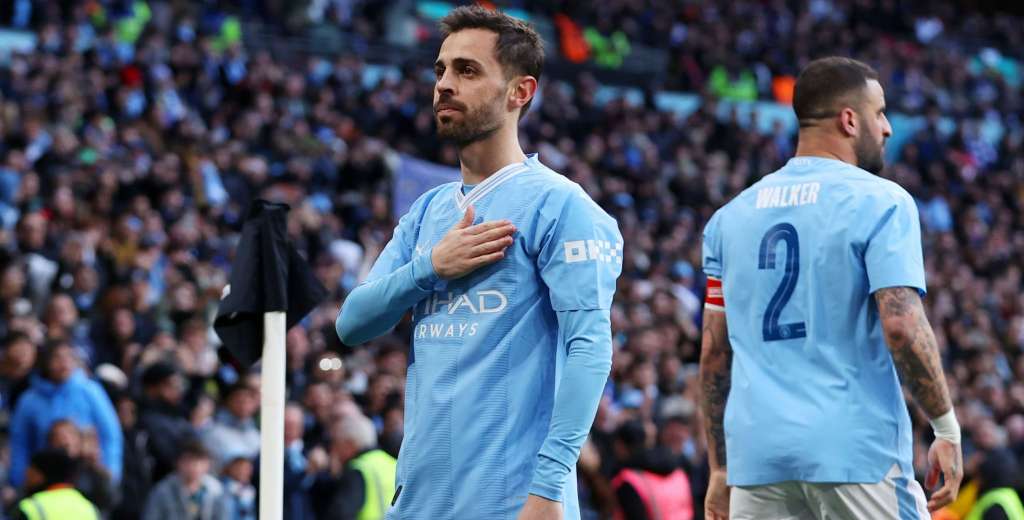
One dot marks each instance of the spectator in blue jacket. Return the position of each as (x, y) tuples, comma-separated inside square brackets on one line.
[(61, 390)]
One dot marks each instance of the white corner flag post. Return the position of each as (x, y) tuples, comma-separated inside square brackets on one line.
[(272, 398)]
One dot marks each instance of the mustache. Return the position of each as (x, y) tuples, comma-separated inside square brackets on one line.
[(448, 102)]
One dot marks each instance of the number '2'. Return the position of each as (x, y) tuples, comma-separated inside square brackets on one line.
[(785, 232)]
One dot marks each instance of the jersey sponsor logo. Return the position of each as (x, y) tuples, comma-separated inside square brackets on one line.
[(451, 330), (787, 196), (475, 302), (439, 306), (598, 250)]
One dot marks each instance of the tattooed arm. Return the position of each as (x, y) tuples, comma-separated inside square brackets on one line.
[(912, 343), (715, 381)]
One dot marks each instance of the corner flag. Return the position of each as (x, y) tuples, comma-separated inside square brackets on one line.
[(267, 275)]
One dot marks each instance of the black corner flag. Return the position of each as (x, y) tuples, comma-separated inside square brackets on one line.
[(267, 275)]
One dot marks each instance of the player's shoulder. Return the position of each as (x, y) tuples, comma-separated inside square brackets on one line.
[(877, 191), (892, 190), (550, 187), (542, 180), (423, 202), (555, 195)]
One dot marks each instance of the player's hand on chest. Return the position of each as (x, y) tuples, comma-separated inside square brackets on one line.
[(466, 247)]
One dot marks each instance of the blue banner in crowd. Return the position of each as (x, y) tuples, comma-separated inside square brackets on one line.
[(413, 178)]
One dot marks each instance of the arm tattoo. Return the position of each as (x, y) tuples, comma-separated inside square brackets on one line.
[(913, 348), (715, 382)]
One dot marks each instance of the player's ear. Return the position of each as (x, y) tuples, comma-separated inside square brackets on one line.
[(849, 125), (521, 91)]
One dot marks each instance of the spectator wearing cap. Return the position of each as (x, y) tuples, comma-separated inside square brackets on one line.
[(651, 484), (162, 415), (61, 390), (234, 427), (50, 490), (190, 493)]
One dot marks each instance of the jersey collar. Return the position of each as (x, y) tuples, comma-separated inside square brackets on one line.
[(464, 201)]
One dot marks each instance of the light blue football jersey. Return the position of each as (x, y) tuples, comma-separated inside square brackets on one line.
[(486, 358), (815, 395)]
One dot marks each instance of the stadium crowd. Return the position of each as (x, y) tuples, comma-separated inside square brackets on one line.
[(129, 154)]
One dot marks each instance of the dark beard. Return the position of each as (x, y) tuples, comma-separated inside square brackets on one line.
[(477, 124), (869, 155)]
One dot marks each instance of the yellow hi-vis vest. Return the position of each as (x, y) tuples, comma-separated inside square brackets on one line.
[(1005, 497), (378, 469), (58, 504)]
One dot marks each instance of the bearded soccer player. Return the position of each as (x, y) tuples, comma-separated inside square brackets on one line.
[(815, 278), (509, 276)]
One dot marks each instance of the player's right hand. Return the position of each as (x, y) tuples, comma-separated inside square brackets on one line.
[(466, 247), (716, 503), (944, 457)]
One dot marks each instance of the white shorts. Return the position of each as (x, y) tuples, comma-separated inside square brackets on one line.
[(896, 497)]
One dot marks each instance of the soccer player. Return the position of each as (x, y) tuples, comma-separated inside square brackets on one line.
[(509, 276), (815, 277)]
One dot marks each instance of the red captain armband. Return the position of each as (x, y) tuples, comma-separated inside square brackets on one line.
[(714, 300)]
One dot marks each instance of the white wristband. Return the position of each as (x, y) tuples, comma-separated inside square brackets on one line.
[(946, 427)]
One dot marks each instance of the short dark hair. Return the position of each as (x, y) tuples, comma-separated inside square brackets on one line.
[(48, 352), (16, 336), (193, 448), (158, 372), (56, 466), (632, 434), (826, 84), (519, 49)]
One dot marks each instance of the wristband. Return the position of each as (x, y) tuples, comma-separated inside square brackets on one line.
[(946, 427)]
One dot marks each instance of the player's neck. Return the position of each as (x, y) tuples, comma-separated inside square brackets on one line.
[(814, 144), (483, 158)]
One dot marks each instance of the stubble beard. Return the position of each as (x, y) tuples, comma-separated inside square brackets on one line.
[(477, 124), (869, 154)]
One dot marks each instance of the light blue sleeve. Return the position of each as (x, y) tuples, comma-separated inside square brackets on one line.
[(581, 255), (108, 429), (587, 336), (893, 256), (396, 283), (712, 248)]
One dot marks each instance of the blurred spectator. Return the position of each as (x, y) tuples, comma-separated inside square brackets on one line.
[(238, 489), (677, 437), (651, 484), (596, 497), (16, 363), (190, 492), (93, 481), (61, 390), (297, 478), (357, 479), (50, 491), (163, 417), (138, 462), (234, 427), (999, 473)]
